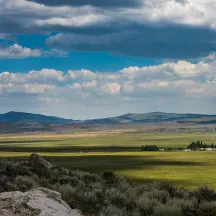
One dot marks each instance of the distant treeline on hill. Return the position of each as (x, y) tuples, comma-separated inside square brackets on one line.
[(149, 148), (199, 145)]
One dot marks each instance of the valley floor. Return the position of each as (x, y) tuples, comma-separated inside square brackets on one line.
[(119, 151)]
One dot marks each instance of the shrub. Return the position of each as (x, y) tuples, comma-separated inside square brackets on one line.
[(112, 210), (145, 205), (166, 210), (204, 193), (25, 182), (115, 197), (108, 175), (207, 209), (161, 196), (69, 194)]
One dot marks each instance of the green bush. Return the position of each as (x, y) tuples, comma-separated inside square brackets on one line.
[(166, 210), (25, 182), (112, 210), (207, 209)]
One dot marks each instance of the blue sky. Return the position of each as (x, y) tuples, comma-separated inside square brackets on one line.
[(87, 59), (74, 59), (77, 61)]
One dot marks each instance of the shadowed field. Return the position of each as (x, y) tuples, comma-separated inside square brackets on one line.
[(120, 153)]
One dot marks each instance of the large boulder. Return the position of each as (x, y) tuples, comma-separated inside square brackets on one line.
[(37, 202), (38, 161)]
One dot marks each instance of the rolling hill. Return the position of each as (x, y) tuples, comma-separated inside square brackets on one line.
[(153, 117), (29, 118)]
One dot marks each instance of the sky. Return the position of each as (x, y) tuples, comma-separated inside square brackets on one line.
[(86, 59)]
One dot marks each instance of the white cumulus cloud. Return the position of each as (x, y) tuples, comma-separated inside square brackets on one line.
[(17, 51)]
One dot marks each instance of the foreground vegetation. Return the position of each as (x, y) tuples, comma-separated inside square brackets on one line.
[(108, 195)]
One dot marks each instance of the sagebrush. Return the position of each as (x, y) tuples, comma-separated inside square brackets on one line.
[(108, 195)]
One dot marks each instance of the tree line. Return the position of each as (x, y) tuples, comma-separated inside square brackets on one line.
[(149, 148), (199, 144)]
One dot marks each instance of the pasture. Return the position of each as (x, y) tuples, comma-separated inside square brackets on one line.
[(119, 152)]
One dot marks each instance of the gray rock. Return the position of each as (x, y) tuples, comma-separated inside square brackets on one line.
[(37, 202), (37, 160)]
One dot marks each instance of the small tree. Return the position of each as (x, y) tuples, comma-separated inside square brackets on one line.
[(149, 148)]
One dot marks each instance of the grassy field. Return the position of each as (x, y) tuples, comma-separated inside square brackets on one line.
[(119, 151)]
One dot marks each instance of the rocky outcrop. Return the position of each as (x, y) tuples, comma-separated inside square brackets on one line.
[(38, 161), (37, 202)]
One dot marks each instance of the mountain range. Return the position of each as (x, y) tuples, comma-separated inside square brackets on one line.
[(131, 118)]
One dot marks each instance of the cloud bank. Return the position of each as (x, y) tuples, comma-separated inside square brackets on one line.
[(159, 28), (133, 89)]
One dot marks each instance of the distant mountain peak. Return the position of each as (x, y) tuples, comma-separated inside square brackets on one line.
[(11, 112)]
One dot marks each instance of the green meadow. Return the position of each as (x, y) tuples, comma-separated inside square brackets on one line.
[(120, 153)]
